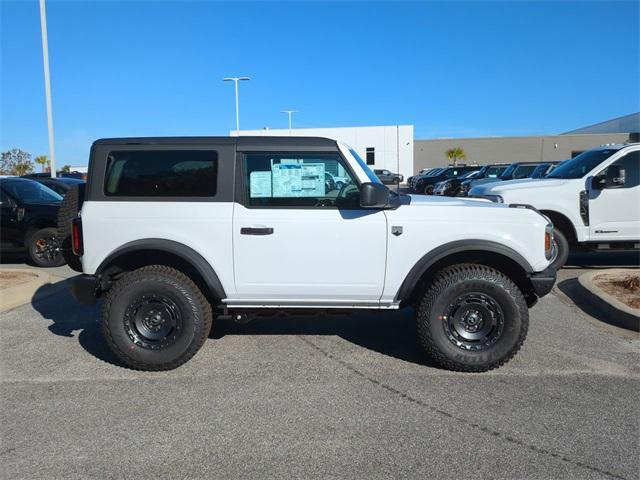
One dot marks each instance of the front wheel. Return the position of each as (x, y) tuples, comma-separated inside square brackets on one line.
[(472, 318), (155, 318), (560, 250), (428, 190), (44, 248)]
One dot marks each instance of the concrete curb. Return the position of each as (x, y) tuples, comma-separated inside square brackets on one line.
[(617, 312), (13, 297)]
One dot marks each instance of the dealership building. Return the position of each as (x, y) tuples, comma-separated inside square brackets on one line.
[(394, 148)]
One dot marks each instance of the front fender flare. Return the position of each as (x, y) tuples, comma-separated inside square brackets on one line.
[(439, 253)]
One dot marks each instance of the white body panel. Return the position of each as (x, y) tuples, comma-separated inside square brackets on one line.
[(324, 255), (315, 257), (203, 226), (614, 213), (433, 221)]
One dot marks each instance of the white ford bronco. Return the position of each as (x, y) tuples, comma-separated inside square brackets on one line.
[(593, 200), (173, 232)]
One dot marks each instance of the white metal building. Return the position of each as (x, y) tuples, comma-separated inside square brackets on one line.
[(384, 147)]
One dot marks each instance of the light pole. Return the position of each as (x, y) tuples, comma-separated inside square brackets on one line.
[(290, 114), (47, 84), (235, 80)]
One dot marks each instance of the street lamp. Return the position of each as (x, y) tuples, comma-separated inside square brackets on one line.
[(235, 80), (290, 114), (47, 84)]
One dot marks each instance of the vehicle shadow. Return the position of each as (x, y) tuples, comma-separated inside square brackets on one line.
[(388, 333), (391, 333), (598, 260), (54, 302)]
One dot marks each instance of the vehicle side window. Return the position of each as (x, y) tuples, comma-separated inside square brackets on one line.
[(161, 173), (298, 180), (631, 164)]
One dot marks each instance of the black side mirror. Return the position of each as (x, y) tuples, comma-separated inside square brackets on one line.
[(615, 176), (374, 195)]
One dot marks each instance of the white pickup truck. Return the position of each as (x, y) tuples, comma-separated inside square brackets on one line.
[(174, 231), (593, 200)]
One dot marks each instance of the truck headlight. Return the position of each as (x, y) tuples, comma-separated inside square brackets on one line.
[(548, 242), (494, 198)]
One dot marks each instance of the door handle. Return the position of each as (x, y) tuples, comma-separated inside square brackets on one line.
[(256, 231)]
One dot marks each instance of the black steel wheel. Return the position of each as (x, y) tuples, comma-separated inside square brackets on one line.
[(473, 321), (155, 318), (153, 321), (44, 248), (471, 318)]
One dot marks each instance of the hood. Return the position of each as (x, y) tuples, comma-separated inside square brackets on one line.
[(520, 185), (431, 200)]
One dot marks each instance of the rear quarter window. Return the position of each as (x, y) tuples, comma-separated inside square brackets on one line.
[(161, 173)]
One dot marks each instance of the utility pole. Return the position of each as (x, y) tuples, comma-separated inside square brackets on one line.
[(235, 80), (290, 114), (47, 85)]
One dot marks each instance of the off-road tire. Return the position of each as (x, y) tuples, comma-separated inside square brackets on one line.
[(193, 307), (562, 249), (450, 284), (32, 247), (69, 208)]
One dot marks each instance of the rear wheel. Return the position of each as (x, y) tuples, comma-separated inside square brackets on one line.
[(44, 248), (472, 318), (155, 318)]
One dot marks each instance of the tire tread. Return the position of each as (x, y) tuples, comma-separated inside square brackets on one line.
[(177, 276), (445, 279)]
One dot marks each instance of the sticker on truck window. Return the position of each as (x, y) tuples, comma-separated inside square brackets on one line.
[(260, 184), (298, 180)]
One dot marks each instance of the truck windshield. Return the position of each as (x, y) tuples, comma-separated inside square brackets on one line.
[(579, 166), (28, 191), (370, 175)]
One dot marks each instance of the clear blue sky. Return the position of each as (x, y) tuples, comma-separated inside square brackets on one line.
[(451, 69)]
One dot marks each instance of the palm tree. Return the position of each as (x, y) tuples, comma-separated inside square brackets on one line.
[(454, 154), (42, 160)]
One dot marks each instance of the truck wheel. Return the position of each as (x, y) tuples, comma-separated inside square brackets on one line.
[(560, 250), (155, 318), (44, 249), (69, 208), (472, 318)]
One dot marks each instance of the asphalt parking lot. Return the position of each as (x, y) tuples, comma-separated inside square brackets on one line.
[(339, 397)]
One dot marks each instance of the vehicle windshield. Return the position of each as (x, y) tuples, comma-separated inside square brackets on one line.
[(470, 174), (434, 172), (28, 191), (370, 175), (540, 170), (579, 166)]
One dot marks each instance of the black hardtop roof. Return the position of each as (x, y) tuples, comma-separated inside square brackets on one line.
[(240, 142)]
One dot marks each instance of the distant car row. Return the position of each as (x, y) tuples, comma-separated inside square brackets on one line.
[(455, 181)]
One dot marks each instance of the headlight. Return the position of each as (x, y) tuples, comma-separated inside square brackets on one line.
[(494, 198)]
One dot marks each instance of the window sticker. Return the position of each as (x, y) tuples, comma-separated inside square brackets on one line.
[(298, 180), (260, 184)]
